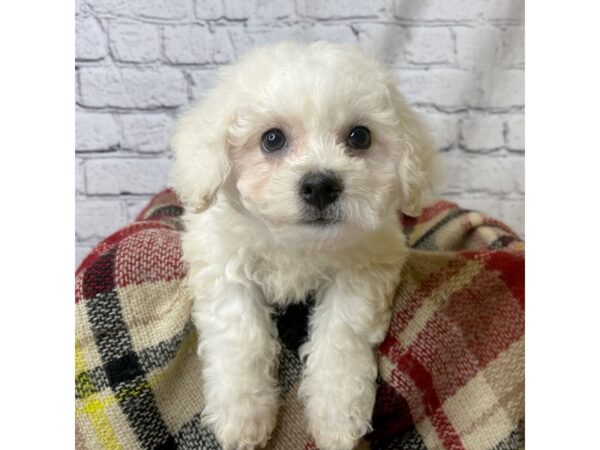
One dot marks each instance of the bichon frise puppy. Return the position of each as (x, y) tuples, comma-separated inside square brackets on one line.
[(292, 172)]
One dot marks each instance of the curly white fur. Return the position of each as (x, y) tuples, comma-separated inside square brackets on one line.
[(247, 247)]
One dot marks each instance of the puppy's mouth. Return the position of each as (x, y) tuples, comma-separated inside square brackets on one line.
[(321, 218), (321, 221)]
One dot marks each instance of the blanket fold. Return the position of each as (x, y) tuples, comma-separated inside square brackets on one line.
[(451, 367)]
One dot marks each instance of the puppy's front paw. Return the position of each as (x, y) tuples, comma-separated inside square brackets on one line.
[(243, 423), (338, 416)]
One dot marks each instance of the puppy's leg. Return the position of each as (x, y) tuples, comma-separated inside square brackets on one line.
[(238, 350), (352, 316)]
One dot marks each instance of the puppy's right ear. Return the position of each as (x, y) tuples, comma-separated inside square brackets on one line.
[(201, 159)]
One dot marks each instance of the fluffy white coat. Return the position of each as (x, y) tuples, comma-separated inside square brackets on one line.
[(248, 247)]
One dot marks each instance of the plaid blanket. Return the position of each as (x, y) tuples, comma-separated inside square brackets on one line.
[(451, 367)]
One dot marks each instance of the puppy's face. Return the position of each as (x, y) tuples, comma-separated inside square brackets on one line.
[(310, 151), (311, 140)]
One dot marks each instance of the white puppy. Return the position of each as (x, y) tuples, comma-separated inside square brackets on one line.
[(304, 153)]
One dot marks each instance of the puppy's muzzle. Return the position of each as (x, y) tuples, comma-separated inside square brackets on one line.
[(320, 189)]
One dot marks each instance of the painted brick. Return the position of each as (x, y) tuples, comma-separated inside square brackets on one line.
[(188, 44), (455, 167), (443, 87), (161, 9), (244, 39), (493, 175), (504, 10), (382, 41), (438, 10), (132, 87), (515, 132), (90, 44), (81, 8), (340, 34), (512, 47), (264, 11), (517, 173), (210, 9), (444, 128), (110, 7), (221, 50), (126, 176), (79, 178), (338, 9), (503, 89), (146, 132), (95, 132), (134, 41), (195, 44), (482, 132), (477, 48), (97, 218), (497, 175), (429, 46), (201, 81)]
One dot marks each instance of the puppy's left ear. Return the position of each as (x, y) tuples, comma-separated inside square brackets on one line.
[(417, 165)]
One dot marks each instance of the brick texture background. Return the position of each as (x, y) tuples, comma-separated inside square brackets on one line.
[(140, 62)]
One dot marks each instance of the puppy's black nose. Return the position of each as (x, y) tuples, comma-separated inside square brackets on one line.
[(320, 189)]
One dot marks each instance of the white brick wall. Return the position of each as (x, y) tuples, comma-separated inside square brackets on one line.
[(139, 62)]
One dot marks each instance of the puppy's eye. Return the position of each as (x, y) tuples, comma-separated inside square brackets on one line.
[(273, 140), (359, 138)]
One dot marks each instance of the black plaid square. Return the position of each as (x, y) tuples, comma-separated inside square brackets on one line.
[(122, 369)]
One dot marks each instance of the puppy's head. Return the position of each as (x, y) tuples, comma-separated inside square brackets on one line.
[(309, 139)]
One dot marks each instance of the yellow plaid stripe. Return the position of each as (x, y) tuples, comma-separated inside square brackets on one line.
[(93, 406)]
